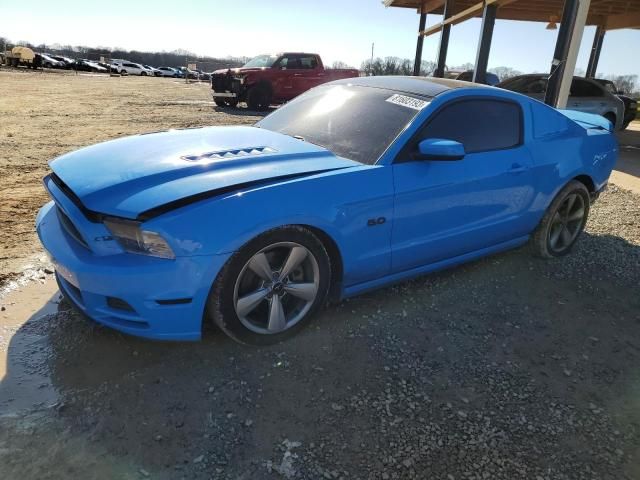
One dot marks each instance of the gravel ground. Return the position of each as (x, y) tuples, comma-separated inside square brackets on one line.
[(506, 368)]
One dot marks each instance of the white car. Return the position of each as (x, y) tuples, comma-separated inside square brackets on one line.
[(154, 71), (168, 72), (131, 68)]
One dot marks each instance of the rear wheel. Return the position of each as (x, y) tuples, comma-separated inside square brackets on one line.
[(271, 287), (563, 222)]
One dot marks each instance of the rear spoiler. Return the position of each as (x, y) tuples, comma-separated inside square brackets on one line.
[(588, 120)]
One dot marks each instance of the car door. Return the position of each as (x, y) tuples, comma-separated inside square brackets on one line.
[(444, 209), (308, 75), (586, 97), (282, 81)]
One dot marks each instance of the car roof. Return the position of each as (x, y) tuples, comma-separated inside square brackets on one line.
[(423, 86)]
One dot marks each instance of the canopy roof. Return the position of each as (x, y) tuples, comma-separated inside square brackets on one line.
[(609, 14)]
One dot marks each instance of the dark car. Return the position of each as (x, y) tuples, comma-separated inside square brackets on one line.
[(88, 66), (68, 62), (108, 67), (630, 104), (467, 76)]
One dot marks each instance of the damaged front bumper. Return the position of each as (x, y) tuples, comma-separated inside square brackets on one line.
[(227, 86)]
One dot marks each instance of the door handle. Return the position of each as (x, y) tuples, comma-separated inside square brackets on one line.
[(517, 168), (297, 74)]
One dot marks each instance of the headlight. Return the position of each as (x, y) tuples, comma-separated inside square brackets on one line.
[(135, 240)]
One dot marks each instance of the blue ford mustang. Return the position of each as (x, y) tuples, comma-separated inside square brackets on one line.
[(351, 186)]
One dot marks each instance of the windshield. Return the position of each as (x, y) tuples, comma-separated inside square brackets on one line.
[(261, 61), (526, 84), (353, 122)]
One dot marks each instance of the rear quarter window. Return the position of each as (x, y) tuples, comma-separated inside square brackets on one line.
[(547, 121)]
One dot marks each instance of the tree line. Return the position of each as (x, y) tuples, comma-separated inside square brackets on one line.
[(175, 58), (376, 66)]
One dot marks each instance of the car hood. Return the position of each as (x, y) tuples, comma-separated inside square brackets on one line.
[(133, 176), (235, 71)]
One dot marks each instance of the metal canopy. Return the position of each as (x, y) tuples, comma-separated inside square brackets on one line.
[(573, 16), (608, 14)]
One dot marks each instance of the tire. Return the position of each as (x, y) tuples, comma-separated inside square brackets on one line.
[(563, 222), (226, 102), (259, 97), (123, 72), (143, 74), (271, 312), (625, 125)]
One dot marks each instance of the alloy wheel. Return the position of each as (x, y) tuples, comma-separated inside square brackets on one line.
[(276, 288), (567, 223)]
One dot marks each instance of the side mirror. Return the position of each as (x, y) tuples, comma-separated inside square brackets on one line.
[(440, 149)]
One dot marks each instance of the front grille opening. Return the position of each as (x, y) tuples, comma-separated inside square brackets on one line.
[(119, 304), (70, 228), (174, 301)]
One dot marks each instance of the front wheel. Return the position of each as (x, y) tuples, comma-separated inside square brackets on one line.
[(226, 102), (259, 97), (563, 222), (271, 287)]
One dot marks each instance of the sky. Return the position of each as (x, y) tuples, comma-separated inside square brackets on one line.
[(337, 29)]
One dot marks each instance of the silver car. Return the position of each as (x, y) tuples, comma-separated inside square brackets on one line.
[(585, 95)]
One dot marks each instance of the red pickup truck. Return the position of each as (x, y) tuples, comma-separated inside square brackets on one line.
[(272, 79)]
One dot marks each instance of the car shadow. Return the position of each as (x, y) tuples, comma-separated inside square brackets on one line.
[(242, 111), (629, 141), (155, 403)]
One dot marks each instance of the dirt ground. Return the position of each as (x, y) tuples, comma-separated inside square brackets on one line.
[(43, 115), (506, 368)]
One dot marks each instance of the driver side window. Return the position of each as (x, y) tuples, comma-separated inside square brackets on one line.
[(481, 125), (282, 63)]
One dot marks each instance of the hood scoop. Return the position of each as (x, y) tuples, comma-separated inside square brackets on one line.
[(229, 154)]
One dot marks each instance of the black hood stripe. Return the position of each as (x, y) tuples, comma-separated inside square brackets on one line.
[(92, 216), (182, 202)]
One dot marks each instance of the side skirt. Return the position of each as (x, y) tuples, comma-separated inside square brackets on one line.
[(432, 267)]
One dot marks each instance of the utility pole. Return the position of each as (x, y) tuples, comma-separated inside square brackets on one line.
[(371, 63)]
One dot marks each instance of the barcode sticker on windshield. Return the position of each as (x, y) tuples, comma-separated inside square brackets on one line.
[(407, 101)]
